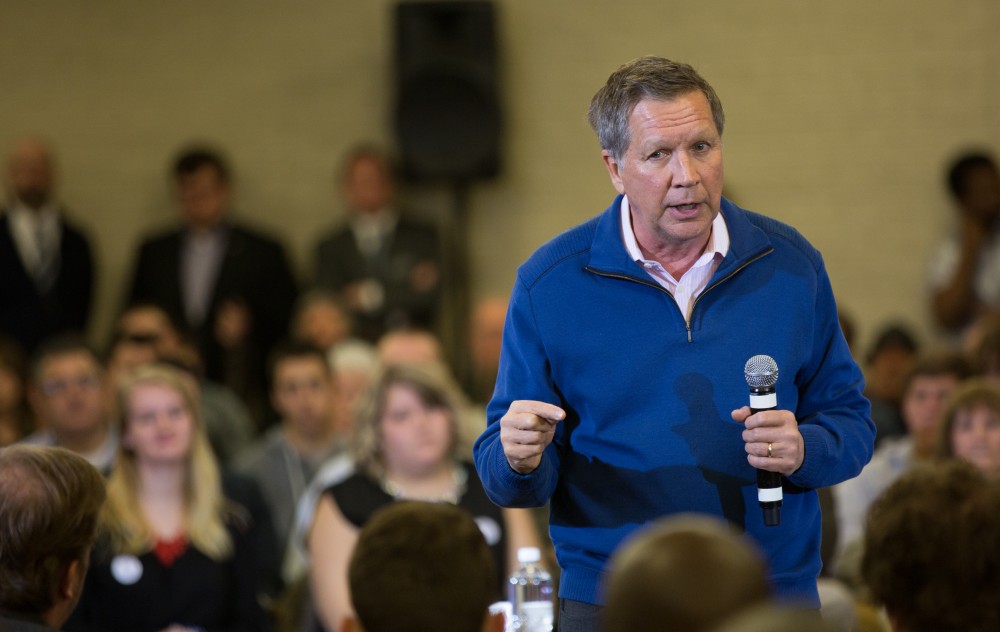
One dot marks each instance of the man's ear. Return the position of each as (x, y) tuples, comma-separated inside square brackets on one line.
[(350, 623), (71, 581), (614, 170)]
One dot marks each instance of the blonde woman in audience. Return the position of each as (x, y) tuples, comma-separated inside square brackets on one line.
[(970, 427), (404, 448), (177, 555)]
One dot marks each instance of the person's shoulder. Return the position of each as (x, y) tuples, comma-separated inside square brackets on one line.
[(356, 485), (253, 235), (71, 228), (562, 249), (333, 236), (161, 237), (781, 235)]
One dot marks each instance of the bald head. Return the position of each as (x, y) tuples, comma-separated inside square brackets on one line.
[(31, 172)]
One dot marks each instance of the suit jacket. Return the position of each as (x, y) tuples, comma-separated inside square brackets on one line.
[(29, 316), (339, 263), (254, 270)]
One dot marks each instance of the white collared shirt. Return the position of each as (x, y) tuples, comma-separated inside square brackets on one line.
[(372, 230), (28, 226), (695, 280)]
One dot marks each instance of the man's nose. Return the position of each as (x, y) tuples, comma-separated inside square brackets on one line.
[(684, 170)]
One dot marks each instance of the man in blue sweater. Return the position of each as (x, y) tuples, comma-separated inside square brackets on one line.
[(621, 395)]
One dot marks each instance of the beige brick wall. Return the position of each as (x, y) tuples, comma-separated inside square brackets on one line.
[(840, 116)]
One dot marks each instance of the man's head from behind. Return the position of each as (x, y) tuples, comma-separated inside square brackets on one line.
[(685, 573), (49, 504), (932, 550), (422, 566)]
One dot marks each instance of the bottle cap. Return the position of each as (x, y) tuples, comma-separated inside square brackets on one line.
[(528, 554)]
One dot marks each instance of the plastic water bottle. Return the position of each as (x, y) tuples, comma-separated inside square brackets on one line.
[(531, 593)]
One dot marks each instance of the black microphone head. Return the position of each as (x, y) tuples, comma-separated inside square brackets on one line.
[(761, 371)]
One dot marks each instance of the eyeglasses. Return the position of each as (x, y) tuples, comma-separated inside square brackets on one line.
[(86, 382)]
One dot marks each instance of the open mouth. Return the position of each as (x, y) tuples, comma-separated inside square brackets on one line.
[(684, 208)]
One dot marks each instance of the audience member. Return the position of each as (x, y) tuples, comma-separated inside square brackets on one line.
[(321, 319), (150, 324), (890, 358), (421, 347), (970, 427), (422, 566), (385, 265), (145, 332), (984, 354), (288, 456), (49, 504), (230, 285), (67, 395), (177, 552), (46, 265), (354, 365), (927, 388), (686, 572), (405, 448), (485, 339), (963, 271), (15, 416), (409, 346), (848, 328), (932, 551)]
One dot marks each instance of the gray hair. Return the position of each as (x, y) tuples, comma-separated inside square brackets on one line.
[(644, 78)]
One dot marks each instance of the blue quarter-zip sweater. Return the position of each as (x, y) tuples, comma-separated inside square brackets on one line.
[(648, 396)]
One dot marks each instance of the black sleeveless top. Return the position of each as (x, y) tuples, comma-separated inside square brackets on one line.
[(359, 496)]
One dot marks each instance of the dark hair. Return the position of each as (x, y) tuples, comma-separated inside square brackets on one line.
[(644, 78), (421, 566), (938, 364), (892, 337), (986, 355), (962, 167), (60, 345), (194, 158), (974, 393), (295, 349), (932, 549), (49, 504)]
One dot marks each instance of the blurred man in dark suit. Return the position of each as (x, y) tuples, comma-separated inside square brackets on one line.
[(231, 285), (385, 265), (46, 266)]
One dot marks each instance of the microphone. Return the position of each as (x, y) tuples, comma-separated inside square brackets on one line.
[(761, 373)]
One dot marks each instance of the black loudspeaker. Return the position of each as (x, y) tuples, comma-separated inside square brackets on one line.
[(447, 113)]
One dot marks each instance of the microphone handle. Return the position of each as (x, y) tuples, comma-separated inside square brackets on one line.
[(769, 493)]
